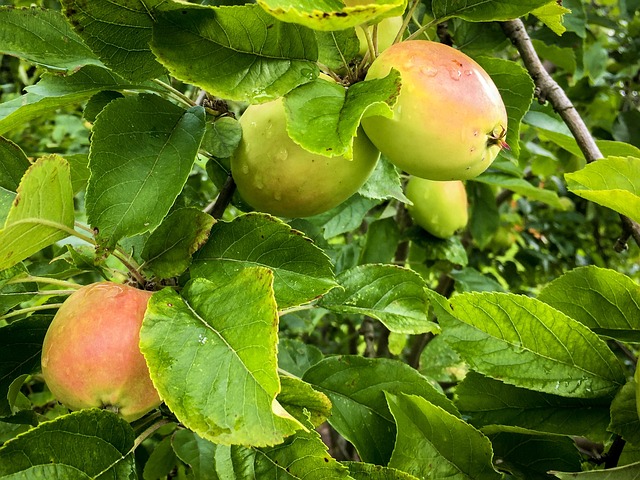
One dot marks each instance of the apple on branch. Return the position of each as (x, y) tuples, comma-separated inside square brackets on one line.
[(277, 176), (438, 207), (449, 121), (90, 355)]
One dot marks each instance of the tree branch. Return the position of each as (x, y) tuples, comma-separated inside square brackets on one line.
[(548, 90)]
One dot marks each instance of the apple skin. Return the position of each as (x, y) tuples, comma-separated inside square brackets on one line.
[(90, 355), (388, 28), (438, 207), (449, 119), (275, 175)]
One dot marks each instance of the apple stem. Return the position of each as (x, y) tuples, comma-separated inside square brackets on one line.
[(131, 265), (148, 432), (35, 308), (299, 308), (407, 21), (47, 280)]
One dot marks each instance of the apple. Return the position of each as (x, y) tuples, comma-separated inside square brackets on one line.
[(90, 355), (438, 207), (388, 29), (277, 176), (449, 121)]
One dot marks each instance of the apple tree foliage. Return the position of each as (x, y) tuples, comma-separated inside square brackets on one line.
[(348, 345)]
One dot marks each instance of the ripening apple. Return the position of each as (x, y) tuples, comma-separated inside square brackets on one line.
[(449, 121), (388, 29), (275, 175), (90, 355), (438, 207)]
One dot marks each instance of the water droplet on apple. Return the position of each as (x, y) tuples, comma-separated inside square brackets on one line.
[(468, 73), (429, 71), (282, 155), (277, 196), (455, 74), (259, 184), (245, 169)]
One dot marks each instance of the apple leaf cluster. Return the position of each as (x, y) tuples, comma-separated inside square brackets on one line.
[(323, 335)]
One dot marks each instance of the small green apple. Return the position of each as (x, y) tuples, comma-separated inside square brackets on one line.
[(275, 175), (438, 207), (90, 355), (388, 29), (449, 121)]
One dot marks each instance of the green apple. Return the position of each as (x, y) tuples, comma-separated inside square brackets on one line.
[(388, 29), (90, 355), (438, 207), (275, 175), (449, 121)]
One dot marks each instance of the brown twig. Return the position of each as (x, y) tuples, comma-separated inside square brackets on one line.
[(548, 90), (216, 209)]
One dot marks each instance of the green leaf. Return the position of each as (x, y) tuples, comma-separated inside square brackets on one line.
[(20, 348), (302, 455), (552, 15), (296, 357), (624, 414), (79, 164), (525, 342), (161, 461), (301, 270), (13, 164), (612, 182), (485, 217), (212, 357), (384, 183), (516, 89), (43, 37), (302, 401), (12, 294), (521, 187), (222, 137), (531, 456), (337, 48), (119, 32), (346, 217), (168, 250), (54, 91), (391, 294), (96, 442), (433, 442), (485, 401), (332, 14), (367, 471), (323, 117), (484, 10), (42, 212), (355, 386), (601, 299), (628, 472), (237, 53), (382, 241), (135, 180), (48, 472)]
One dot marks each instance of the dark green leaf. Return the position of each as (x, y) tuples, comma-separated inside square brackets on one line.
[(490, 402), (628, 472), (119, 32), (95, 442), (624, 414), (13, 164), (367, 471), (301, 270), (168, 250), (355, 386), (384, 183), (382, 241), (43, 37), (345, 217), (426, 438), (296, 357), (222, 137), (161, 461), (12, 294), (237, 53), (135, 180), (522, 187), (484, 10), (337, 48), (20, 348)]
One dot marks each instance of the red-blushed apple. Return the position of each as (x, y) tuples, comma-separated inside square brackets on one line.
[(388, 29), (275, 175), (449, 121), (90, 355), (438, 207)]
